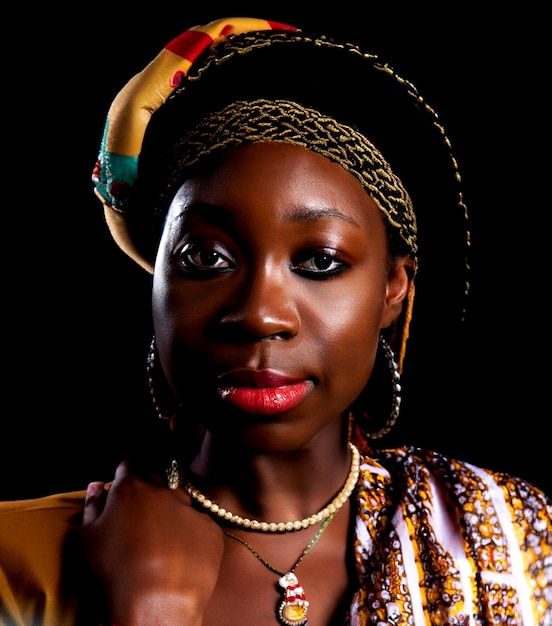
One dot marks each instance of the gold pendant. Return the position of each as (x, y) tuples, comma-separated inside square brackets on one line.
[(292, 610)]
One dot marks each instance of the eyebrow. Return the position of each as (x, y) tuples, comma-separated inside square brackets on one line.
[(307, 214), (213, 212), (219, 213)]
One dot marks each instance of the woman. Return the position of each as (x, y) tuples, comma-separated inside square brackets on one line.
[(276, 185)]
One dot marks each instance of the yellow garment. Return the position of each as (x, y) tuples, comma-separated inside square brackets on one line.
[(33, 538)]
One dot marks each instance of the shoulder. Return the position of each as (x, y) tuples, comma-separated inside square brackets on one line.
[(52, 514), (475, 492), (37, 527), (462, 477), (34, 537)]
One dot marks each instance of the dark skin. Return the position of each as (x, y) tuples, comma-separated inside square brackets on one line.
[(274, 262)]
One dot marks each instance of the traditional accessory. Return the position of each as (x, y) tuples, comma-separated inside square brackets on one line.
[(292, 610), (372, 402), (174, 481)]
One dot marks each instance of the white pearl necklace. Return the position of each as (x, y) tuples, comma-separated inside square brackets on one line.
[(273, 527)]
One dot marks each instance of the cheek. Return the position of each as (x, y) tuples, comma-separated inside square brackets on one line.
[(172, 298), (352, 329), (182, 312), (171, 312), (162, 302), (163, 323), (355, 313)]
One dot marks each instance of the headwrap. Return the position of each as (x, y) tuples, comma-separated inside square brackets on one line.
[(239, 80), (288, 122)]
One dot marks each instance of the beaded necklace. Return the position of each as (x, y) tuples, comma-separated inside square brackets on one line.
[(273, 527)]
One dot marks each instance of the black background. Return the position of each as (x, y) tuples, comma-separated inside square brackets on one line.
[(76, 310)]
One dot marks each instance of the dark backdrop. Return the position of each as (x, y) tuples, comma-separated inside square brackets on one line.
[(76, 310)]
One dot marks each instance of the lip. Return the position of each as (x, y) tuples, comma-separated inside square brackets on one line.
[(263, 392)]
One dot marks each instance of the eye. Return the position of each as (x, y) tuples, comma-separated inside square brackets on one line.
[(320, 265), (204, 261)]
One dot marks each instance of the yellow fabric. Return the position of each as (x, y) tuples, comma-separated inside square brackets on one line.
[(33, 535)]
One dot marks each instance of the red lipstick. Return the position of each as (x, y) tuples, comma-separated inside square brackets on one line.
[(263, 392)]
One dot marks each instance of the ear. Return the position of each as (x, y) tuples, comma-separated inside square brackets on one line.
[(397, 289)]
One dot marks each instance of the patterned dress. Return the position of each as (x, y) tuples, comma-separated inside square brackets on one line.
[(442, 542)]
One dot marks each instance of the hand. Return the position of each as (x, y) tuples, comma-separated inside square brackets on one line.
[(156, 558)]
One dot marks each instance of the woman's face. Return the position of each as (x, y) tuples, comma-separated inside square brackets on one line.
[(270, 288)]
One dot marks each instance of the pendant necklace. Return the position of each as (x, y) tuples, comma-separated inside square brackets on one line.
[(292, 609)]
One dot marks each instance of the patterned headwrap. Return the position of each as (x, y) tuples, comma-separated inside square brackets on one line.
[(131, 111), (239, 80)]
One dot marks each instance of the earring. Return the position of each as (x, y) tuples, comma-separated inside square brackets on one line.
[(374, 400), (151, 372), (174, 480)]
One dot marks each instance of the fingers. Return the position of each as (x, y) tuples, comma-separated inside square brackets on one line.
[(94, 502), (126, 481)]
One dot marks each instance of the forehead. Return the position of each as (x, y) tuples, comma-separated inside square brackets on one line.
[(274, 176)]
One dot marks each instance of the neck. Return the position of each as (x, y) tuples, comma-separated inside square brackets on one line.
[(272, 485)]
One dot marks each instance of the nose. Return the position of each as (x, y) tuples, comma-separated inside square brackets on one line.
[(264, 306)]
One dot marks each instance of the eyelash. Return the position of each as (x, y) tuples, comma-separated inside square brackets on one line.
[(337, 266), (204, 262)]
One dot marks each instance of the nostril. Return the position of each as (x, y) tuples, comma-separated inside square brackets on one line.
[(243, 331), (280, 335)]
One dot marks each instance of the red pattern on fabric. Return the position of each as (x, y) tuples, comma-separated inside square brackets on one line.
[(190, 44)]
